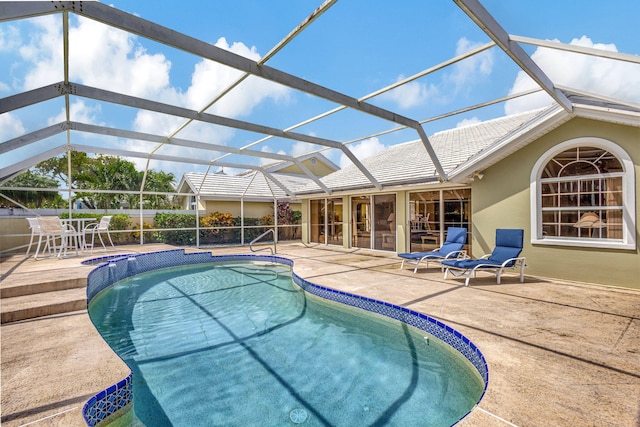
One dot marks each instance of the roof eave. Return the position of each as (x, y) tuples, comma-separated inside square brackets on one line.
[(607, 114), (386, 186), (510, 143)]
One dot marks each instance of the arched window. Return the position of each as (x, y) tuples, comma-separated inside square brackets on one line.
[(582, 195)]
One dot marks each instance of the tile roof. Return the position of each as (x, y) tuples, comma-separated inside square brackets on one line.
[(253, 186), (409, 163)]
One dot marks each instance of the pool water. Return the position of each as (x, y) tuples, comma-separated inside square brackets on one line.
[(240, 344)]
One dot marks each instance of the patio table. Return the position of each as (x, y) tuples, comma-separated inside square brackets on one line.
[(79, 227)]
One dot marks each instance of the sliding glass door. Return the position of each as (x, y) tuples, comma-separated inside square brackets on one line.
[(326, 219), (361, 222), (384, 209), (373, 222), (334, 222), (317, 221)]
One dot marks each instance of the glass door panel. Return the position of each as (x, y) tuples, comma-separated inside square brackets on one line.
[(334, 221), (361, 222), (457, 210), (424, 221), (384, 210), (317, 220)]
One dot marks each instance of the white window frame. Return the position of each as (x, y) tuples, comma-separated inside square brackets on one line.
[(628, 240)]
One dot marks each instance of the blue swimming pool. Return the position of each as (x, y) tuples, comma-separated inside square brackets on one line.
[(239, 343)]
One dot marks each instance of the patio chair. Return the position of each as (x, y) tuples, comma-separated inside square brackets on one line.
[(450, 249), (36, 230), (52, 228), (505, 255), (98, 228)]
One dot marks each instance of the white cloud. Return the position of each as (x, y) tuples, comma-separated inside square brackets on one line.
[(592, 74), (362, 150), (79, 112), (210, 78), (410, 94), (468, 122), (300, 148), (112, 59), (44, 52), (460, 76), (10, 126), (9, 38), (267, 149), (470, 69)]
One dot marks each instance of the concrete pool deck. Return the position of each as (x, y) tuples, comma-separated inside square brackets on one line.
[(559, 353)]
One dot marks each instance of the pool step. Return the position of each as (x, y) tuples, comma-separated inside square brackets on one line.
[(23, 298), (43, 304), (29, 288)]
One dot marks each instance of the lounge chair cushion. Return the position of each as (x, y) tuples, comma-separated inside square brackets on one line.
[(509, 244), (447, 248), (456, 238), (456, 235), (414, 255), (468, 264)]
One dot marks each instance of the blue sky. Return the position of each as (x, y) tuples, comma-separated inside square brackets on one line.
[(356, 47)]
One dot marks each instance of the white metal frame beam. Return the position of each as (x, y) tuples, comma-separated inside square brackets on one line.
[(102, 130), (635, 59), (59, 89), (494, 30), (136, 25)]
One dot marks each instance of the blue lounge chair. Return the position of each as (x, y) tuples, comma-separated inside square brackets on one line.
[(451, 248), (505, 255)]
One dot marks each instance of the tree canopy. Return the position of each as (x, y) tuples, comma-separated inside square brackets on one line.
[(101, 173), (32, 198)]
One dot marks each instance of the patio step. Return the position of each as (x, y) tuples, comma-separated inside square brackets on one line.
[(27, 287), (43, 304), (27, 296)]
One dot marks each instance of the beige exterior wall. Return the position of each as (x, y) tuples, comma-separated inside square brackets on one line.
[(305, 220), (346, 223), (318, 169), (251, 209), (14, 232), (502, 200)]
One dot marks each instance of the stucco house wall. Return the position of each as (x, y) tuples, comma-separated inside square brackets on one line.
[(251, 209), (502, 200)]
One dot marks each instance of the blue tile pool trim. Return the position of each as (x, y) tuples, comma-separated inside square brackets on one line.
[(111, 269)]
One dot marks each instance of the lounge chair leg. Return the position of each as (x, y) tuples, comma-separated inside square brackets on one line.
[(110, 241), (35, 255), (29, 248)]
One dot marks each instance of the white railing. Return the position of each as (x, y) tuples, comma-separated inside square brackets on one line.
[(273, 251)]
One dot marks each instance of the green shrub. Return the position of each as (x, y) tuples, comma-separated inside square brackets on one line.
[(212, 233), (174, 220)]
